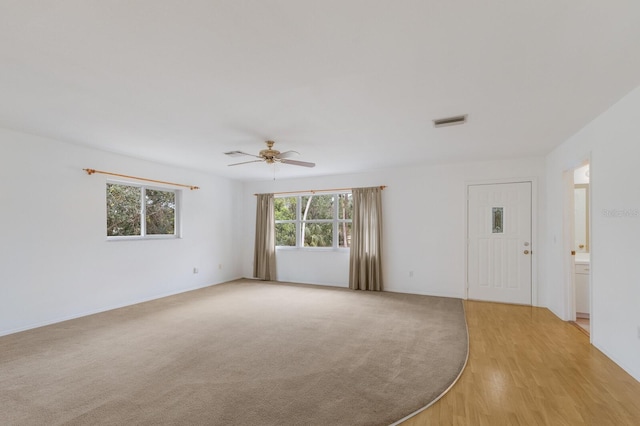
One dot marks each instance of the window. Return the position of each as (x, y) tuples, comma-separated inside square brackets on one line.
[(127, 205), (319, 220), (497, 217)]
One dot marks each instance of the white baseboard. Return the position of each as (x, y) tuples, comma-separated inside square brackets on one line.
[(424, 293), (102, 309), (632, 373)]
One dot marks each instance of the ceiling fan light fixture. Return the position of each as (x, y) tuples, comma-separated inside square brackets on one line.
[(270, 156), (450, 121)]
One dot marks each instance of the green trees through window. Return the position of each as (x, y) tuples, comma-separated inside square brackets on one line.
[(160, 212), (322, 220), (286, 220), (123, 210), (127, 204)]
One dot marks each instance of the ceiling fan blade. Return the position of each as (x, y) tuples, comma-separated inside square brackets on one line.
[(239, 153), (245, 162), (298, 163), (250, 155), (287, 154)]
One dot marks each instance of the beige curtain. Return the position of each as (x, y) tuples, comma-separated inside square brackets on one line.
[(264, 256), (365, 262)]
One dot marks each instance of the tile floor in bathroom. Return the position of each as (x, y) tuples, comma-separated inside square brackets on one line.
[(583, 323)]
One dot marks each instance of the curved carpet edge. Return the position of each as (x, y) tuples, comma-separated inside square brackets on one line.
[(453, 383)]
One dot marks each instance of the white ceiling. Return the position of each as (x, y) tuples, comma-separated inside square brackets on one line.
[(351, 85)]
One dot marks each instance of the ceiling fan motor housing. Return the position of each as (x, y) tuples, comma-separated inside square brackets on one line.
[(269, 154)]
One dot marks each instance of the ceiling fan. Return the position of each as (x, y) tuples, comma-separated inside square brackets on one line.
[(271, 156)]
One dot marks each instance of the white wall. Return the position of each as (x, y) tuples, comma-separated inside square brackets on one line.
[(55, 262), (612, 141), (424, 225)]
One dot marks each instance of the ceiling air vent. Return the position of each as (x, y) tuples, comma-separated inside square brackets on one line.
[(450, 121)]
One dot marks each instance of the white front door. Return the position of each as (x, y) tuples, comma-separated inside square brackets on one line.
[(499, 242)]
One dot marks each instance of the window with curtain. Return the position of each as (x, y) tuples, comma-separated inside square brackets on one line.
[(314, 220)]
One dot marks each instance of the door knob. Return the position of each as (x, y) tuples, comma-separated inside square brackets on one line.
[(526, 252)]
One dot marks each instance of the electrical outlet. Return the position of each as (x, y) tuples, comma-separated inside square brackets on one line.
[(410, 274), (195, 270), (219, 265), (639, 332)]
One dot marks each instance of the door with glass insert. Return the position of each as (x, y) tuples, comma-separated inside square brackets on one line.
[(499, 242)]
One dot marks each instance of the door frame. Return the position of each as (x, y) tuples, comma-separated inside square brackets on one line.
[(534, 230), (568, 242)]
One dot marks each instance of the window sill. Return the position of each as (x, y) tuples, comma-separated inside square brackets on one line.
[(313, 249), (146, 238)]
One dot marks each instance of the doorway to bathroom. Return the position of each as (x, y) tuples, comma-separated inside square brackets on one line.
[(581, 248)]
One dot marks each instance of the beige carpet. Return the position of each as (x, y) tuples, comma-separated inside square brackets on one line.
[(241, 353)]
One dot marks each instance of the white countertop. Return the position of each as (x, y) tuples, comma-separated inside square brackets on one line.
[(583, 258)]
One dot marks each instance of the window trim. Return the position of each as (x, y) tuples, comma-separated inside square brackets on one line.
[(336, 221), (177, 225)]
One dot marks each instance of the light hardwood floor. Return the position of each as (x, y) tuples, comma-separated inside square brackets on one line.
[(527, 367)]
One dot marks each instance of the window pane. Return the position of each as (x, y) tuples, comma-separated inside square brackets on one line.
[(123, 210), (286, 234), (345, 206), (318, 234), (161, 212), (285, 208), (344, 234), (497, 215), (316, 207)]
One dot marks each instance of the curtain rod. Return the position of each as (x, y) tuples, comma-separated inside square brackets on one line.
[(92, 171), (313, 191)]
